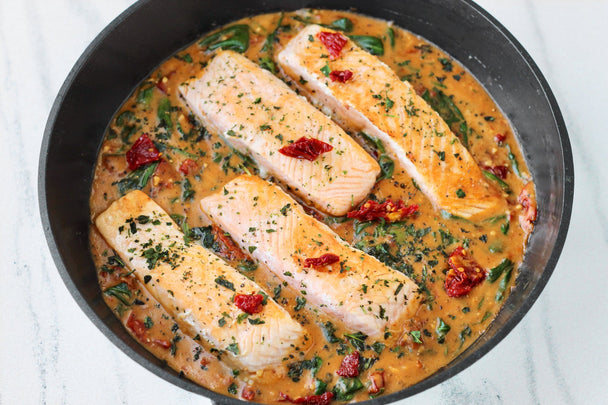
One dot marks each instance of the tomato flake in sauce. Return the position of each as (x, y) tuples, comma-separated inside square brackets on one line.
[(248, 393), (226, 246), (376, 383), (141, 332), (333, 41), (499, 171), (463, 275), (306, 148), (527, 218), (388, 210), (252, 304), (188, 166), (323, 399), (142, 152), (341, 76), (323, 260), (350, 365), (500, 138), (163, 83)]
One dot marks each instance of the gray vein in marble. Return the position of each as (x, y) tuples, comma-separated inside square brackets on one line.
[(45, 347), (492, 391), (455, 392), (587, 163), (24, 276), (39, 49), (562, 384), (120, 378), (85, 10), (529, 363), (591, 176)]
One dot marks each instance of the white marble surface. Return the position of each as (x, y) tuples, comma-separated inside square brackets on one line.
[(51, 353)]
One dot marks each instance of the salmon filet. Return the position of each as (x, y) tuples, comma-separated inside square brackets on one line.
[(258, 114), (357, 289), (375, 101), (195, 286)]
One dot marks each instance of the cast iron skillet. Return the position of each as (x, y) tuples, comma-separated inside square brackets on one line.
[(151, 30)]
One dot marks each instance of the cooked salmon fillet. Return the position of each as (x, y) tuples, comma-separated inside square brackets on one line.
[(258, 114), (358, 289), (375, 101), (195, 286)]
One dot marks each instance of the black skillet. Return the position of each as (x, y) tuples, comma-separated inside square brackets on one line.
[(151, 30)]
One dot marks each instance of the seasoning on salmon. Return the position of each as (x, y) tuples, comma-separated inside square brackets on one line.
[(360, 291), (195, 286), (377, 102), (259, 115)]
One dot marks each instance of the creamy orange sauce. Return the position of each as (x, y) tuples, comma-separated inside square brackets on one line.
[(420, 246)]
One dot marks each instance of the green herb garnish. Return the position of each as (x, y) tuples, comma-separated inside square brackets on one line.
[(357, 340), (514, 164), (234, 348), (329, 331), (442, 329), (371, 44), (500, 292), (300, 303), (345, 388), (144, 96), (224, 283), (447, 109), (234, 38), (391, 36), (495, 272), (343, 24), (120, 291), (415, 334), (325, 69), (491, 176)]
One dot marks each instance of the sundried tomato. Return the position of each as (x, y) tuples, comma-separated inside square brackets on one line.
[(463, 275), (323, 399), (350, 365), (419, 89), (333, 41), (248, 393), (341, 76), (376, 382), (188, 166), (252, 304), (226, 246), (142, 152), (163, 83), (306, 148), (499, 171), (527, 218), (500, 138), (141, 332), (136, 326), (323, 260), (388, 210), (161, 342)]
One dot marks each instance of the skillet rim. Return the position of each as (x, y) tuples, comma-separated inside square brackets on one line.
[(440, 375)]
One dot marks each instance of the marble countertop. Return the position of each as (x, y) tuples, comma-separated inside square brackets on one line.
[(51, 353)]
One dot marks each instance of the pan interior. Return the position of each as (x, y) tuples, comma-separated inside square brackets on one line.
[(127, 50)]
